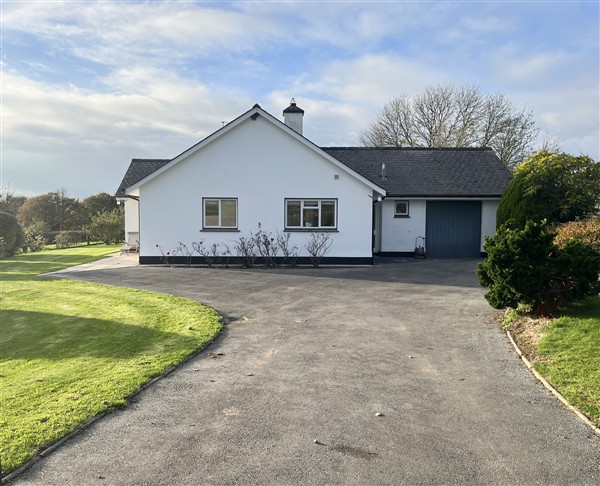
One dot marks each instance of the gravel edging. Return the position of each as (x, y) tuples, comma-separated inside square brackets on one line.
[(553, 390)]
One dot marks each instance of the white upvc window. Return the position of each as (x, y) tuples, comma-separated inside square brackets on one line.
[(401, 209), (311, 214), (219, 213)]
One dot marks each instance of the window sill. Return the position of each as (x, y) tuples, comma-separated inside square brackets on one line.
[(401, 216), (219, 230), (311, 230)]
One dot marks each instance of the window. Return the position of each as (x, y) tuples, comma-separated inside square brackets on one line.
[(219, 213), (311, 213), (400, 209)]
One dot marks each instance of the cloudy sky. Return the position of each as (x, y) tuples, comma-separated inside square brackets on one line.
[(88, 85)]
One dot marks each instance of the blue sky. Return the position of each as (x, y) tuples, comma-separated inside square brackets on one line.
[(86, 85)]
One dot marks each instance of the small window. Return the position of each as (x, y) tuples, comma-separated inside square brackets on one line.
[(219, 213), (401, 209), (311, 213)]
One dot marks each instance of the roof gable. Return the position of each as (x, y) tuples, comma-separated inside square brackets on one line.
[(429, 172), (130, 182)]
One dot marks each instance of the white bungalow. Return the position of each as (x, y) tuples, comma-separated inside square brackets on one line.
[(369, 201)]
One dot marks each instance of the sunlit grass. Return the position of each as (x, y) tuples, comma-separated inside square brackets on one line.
[(570, 356), (70, 350)]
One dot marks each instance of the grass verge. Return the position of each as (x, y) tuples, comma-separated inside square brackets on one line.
[(71, 350), (566, 352)]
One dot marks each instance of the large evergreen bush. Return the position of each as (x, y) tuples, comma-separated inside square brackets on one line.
[(553, 187), (11, 234), (524, 266)]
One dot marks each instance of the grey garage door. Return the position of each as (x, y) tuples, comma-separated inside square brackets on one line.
[(453, 229)]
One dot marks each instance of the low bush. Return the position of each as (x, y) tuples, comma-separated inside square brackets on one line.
[(267, 246), (268, 249), (210, 254), (317, 245), (35, 243), (246, 250), (525, 267), (290, 252)]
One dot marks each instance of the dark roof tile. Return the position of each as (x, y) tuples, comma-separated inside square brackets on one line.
[(422, 172), (416, 172), (138, 169)]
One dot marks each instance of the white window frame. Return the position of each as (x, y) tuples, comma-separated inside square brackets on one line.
[(220, 201), (319, 202), (405, 214)]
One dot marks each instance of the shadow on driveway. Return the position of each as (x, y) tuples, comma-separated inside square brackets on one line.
[(453, 273)]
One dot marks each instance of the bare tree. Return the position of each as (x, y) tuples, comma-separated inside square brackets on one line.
[(450, 116), (551, 144)]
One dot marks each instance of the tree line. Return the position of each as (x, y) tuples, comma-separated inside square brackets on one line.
[(29, 223)]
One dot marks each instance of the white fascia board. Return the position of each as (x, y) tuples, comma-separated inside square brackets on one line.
[(305, 141), (253, 112)]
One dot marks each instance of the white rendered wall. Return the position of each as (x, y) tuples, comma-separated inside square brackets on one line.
[(399, 234), (132, 223), (488, 219), (261, 165)]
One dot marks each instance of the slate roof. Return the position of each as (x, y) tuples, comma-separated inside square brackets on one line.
[(428, 172), (409, 172), (138, 169)]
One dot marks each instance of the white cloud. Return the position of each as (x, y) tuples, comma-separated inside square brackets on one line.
[(57, 136), (116, 33), (103, 82)]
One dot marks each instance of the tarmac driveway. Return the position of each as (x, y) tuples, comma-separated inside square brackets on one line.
[(315, 355)]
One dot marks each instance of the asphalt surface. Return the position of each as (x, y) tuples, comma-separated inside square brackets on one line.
[(314, 355)]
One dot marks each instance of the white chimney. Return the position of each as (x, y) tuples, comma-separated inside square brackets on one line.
[(292, 116)]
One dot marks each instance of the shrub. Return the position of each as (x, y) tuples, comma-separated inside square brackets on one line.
[(267, 246), (186, 253), (42, 229), (317, 246), (67, 239), (290, 253), (245, 249), (35, 243), (12, 235), (108, 227), (551, 186), (167, 257), (587, 231), (525, 267), (210, 254)]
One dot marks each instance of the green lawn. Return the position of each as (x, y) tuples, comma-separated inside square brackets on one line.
[(70, 350), (570, 356)]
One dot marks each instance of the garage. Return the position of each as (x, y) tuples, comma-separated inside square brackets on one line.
[(453, 229)]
